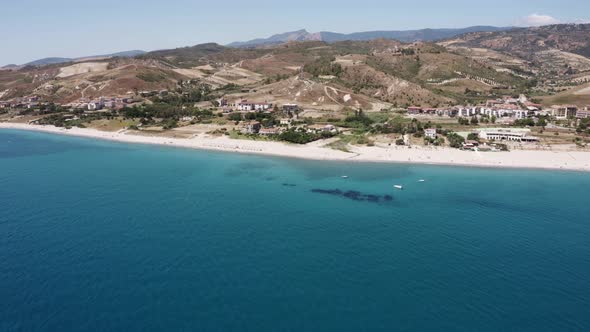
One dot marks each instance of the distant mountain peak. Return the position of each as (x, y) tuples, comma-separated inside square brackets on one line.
[(298, 35)]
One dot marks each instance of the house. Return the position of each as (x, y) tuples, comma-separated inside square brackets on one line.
[(95, 105), (146, 93), (69, 118), (109, 103), (269, 131), (467, 111), (494, 102), (452, 112), (583, 113), (4, 104), (322, 128), (290, 108), (430, 133), (262, 106), (414, 110), (564, 111), (522, 114), (533, 107), (470, 145), (285, 121), (125, 100), (251, 127), (511, 101), (245, 106), (222, 102)]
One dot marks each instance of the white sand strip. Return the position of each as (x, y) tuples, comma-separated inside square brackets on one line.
[(565, 160)]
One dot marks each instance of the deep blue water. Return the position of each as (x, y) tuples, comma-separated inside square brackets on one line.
[(100, 236)]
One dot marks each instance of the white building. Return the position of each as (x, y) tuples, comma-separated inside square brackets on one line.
[(95, 105), (499, 111), (504, 134), (246, 106), (522, 114), (430, 133), (563, 111), (583, 113)]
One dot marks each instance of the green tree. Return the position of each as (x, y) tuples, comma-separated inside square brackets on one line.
[(473, 137), (455, 140)]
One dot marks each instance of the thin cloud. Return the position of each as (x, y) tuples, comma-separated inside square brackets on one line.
[(535, 20)]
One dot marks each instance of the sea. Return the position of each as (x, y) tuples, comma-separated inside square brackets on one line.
[(106, 236)]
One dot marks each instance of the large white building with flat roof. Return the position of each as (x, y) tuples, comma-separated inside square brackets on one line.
[(507, 134)]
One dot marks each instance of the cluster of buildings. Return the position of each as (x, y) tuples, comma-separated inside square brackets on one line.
[(559, 112), (566, 112), (255, 106), (518, 108), (509, 111), (35, 102), (506, 107), (28, 102), (255, 127), (287, 121), (111, 103), (244, 106)]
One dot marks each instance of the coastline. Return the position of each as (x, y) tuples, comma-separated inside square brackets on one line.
[(555, 160)]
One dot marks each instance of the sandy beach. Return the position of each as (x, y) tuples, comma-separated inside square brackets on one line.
[(563, 160)]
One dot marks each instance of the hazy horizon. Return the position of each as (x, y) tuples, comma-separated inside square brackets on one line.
[(67, 28)]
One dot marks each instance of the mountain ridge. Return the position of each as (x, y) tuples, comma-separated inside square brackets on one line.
[(58, 60), (401, 35)]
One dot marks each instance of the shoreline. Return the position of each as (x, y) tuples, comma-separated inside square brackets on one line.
[(531, 159)]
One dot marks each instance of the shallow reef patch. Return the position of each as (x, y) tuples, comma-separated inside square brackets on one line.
[(355, 195)]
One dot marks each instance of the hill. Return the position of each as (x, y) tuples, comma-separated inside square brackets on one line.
[(47, 61), (554, 59), (51, 61), (321, 75), (526, 42)]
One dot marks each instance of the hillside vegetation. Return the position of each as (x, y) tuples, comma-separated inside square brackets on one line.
[(546, 62)]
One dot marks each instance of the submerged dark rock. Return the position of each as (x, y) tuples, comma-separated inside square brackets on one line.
[(327, 191), (354, 195)]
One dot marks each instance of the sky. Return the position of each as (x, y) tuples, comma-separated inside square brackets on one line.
[(34, 29)]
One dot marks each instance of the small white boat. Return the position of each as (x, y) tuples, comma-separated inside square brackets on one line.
[(397, 186), (344, 176), (421, 180)]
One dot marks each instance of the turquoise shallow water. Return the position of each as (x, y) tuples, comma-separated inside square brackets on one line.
[(100, 236)]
